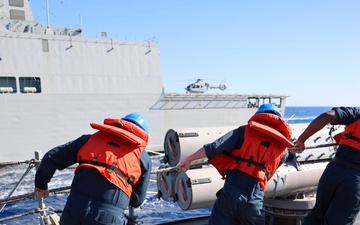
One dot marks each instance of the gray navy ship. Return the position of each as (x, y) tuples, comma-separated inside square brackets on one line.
[(54, 82)]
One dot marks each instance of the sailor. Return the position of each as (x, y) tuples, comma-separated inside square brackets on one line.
[(338, 192), (113, 171), (247, 157)]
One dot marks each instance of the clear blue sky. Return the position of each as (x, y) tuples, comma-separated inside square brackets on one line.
[(309, 50)]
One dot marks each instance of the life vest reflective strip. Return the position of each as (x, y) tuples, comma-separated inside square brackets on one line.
[(115, 152), (265, 140), (350, 136)]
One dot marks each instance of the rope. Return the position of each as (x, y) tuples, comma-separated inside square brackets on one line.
[(164, 170), (64, 190), (55, 191), (321, 146), (4, 164), (18, 215), (25, 214), (296, 150), (168, 169), (32, 164)]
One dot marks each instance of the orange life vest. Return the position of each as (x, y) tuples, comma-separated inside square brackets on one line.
[(266, 138), (350, 136), (115, 152)]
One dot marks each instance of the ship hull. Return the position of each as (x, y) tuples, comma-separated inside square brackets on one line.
[(53, 86)]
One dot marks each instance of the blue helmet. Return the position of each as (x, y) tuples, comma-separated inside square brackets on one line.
[(137, 119), (268, 108)]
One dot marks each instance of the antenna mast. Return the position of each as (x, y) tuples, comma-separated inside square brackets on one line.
[(47, 13)]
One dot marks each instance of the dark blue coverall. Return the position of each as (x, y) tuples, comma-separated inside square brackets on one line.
[(93, 200), (338, 193), (241, 199)]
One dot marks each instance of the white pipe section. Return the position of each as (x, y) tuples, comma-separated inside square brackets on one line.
[(189, 187), (287, 180), (166, 184), (197, 187), (183, 142)]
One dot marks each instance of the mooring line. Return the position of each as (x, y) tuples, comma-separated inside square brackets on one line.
[(18, 215), (321, 145), (164, 170), (55, 191)]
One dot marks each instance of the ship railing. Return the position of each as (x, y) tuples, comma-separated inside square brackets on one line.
[(174, 101)]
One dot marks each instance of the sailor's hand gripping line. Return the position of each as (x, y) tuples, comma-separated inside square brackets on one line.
[(178, 168), (38, 193), (298, 150)]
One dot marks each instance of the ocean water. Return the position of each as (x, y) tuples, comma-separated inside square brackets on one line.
[(297, 114), (153, 211)]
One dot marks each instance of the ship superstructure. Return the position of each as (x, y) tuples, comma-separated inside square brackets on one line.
[(54, 82)]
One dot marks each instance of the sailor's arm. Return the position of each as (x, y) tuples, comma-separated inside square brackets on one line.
[(317, 124), (140, 188), (57, 158), (185, 164), (229, 141)]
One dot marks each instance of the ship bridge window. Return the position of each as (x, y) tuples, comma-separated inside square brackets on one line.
[(7, 85), (274, 100), (17, 3), (17, 14), (253, 102), (30, 84)]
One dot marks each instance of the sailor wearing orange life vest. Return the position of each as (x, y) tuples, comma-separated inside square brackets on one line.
[(247, 156), (338, 193), (113, 171)]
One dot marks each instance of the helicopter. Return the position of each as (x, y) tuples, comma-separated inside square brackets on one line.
[(201, 87)]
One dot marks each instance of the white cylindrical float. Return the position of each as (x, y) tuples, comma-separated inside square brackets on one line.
[(288, 180), (197, 187), (180, 143), (166, 184)]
